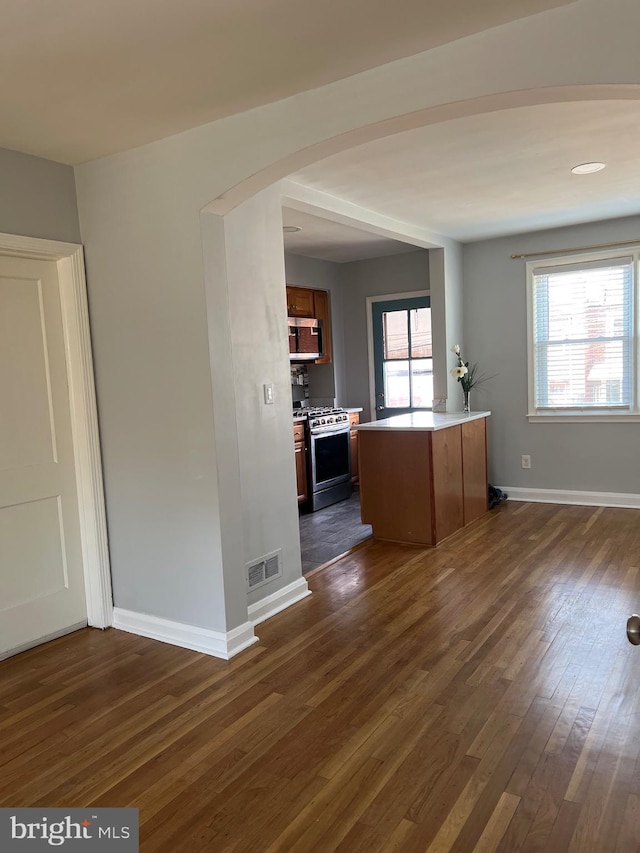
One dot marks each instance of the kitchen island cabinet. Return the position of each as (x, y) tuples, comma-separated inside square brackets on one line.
[(423, 476)]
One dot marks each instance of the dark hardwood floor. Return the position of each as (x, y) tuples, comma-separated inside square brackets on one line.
[(478, 696)]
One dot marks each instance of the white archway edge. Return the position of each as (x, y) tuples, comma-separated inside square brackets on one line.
[(308, 200), (84, 416), (297, 160)]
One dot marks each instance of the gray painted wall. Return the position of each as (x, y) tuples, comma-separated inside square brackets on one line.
[(260, 346), (582, 456), (375, 277), (38, 198), (145, 276)]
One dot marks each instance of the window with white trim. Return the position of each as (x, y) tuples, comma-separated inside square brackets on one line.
[(583, 345)]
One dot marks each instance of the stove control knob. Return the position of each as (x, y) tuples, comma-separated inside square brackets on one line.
[(322, 421)]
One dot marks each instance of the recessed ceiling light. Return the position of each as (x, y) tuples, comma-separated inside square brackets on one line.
[(291, 229), (588, 168)]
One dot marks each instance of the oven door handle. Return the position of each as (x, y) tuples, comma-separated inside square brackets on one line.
[(331, 432)]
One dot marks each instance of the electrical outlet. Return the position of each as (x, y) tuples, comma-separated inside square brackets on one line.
[(526, 461)]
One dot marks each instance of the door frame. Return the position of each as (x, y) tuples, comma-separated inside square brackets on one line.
[(389, 297), (69, 259)]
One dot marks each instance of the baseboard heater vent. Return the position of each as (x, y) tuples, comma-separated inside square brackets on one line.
[(263, 570)]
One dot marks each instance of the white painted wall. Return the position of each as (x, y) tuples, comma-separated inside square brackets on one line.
[(583, 456), (152, 316)]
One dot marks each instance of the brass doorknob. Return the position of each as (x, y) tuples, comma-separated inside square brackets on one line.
[(633, 629)]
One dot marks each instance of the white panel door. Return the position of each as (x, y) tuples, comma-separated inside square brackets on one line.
[(41, 574)]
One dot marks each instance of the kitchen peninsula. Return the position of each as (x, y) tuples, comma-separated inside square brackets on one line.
[(423, 475)]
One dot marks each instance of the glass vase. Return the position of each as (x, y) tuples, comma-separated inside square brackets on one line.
[(467, 404)]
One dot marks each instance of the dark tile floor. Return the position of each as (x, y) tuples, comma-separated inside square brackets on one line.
[(329, 532)]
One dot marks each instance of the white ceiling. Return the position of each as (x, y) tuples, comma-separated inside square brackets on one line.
[(331, 241), (492, 175), (86, 79), (90, 79)]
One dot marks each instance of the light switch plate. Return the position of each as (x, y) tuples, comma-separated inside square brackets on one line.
[(268, 393)]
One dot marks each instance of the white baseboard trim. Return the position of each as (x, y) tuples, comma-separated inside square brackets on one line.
[(277, 601), (565, 496), (215, 643)]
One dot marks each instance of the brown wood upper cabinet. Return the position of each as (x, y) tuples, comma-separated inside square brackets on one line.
[(305, 302), (300, 302)]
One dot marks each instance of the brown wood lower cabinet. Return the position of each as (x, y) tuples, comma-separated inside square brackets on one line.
[(301, 462), (354, 418), (421, 486)]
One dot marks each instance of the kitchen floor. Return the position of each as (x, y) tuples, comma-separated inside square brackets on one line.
[(329, 532)]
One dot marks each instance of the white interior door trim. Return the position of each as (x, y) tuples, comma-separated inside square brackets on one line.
[(69, 258)]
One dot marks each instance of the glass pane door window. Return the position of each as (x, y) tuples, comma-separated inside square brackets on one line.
[(403, 356)]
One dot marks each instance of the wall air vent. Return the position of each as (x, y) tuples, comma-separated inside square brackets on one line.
[(264, 569)]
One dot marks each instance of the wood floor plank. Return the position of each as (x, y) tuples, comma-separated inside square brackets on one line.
[(628, 836), (477, 696), (497, 825)]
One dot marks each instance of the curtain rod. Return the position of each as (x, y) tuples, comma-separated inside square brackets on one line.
[(573, 249)]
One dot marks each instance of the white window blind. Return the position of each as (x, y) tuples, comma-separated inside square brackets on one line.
[(583, 336)]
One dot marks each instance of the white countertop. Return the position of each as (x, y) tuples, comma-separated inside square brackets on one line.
[(424, 421)]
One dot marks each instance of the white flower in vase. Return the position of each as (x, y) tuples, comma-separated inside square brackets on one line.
[(466, 374)]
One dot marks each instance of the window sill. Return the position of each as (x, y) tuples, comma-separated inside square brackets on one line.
[(600, 418)]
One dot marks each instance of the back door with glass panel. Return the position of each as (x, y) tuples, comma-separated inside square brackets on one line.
[(403, 357)]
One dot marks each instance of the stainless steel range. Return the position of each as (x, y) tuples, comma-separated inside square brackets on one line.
[(329, 456)]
